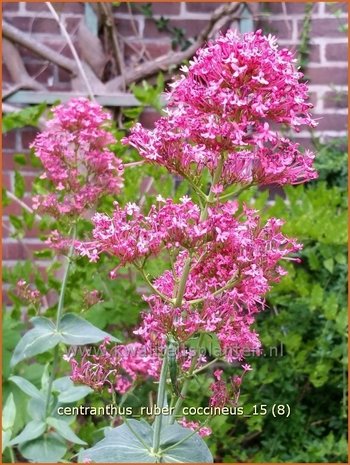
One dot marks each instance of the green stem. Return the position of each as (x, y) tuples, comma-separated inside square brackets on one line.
[(160, 402), (211, 195), (183, 280), (58, 318), (236, 193), (203, 217), (154, 289), (187, 381), (12, 455)]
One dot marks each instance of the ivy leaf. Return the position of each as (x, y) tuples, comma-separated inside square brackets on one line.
[(64, 430), (19, 185), (32, 430), (29, 116), (20, 158), (27, 387), (74, 330), (41, 338)]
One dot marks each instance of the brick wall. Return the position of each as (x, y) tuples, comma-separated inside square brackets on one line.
[(326, 71)]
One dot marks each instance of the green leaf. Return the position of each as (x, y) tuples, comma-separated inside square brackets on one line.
[(20, 158), (75, 330), (27, 387), (329, 264), (41, 338), (9, 413), (19, 185), (64, 430), (121, 445), (37, 409), (193, 449), (73, 394), (32, 430), (6, 436), (27, 117), (16, 222), (48, 449), (68, 392)]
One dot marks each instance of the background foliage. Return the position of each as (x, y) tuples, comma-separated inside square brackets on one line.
[(303, 330)]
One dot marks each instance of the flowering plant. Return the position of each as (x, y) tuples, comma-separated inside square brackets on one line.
[(221, 133)]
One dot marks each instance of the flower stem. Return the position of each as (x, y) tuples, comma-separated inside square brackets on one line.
[(203, 217), (160, 402), (186, 383), (59, 316)]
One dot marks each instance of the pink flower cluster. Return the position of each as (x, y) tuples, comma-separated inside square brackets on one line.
[(74, 152), (230, 274), (224, 393), (220, 117), (225, 105), (116, 368), (203, 431), (26, 293), (235, 260)]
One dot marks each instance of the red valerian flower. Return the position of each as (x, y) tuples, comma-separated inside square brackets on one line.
[(75, 155)]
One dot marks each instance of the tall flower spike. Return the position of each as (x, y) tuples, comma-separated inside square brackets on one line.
[(74, 152)]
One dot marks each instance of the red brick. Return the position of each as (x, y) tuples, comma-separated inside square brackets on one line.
[(6, 75), (337, 52), (190, 27), (28, 136), (332, 122), (41, 71), (290, 7), (63, 75), (9, 140), (305, 143), (155, 49), (335, 99), (166, 8), (24, 23), (6, 228), (195, 7), (148, 118), (125, 27), (28, 181), (60, 7), (325, 27), (72, 24), (161, 8), (327, 75), (314, 56), (45, 26), (343, 6), (20, 250), (313, 98), (15, 209), (9, 6), (278, 27), (59, 45), (7, 181)]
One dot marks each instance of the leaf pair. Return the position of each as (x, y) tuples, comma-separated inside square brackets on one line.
[(122, 445), (73, 330)]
